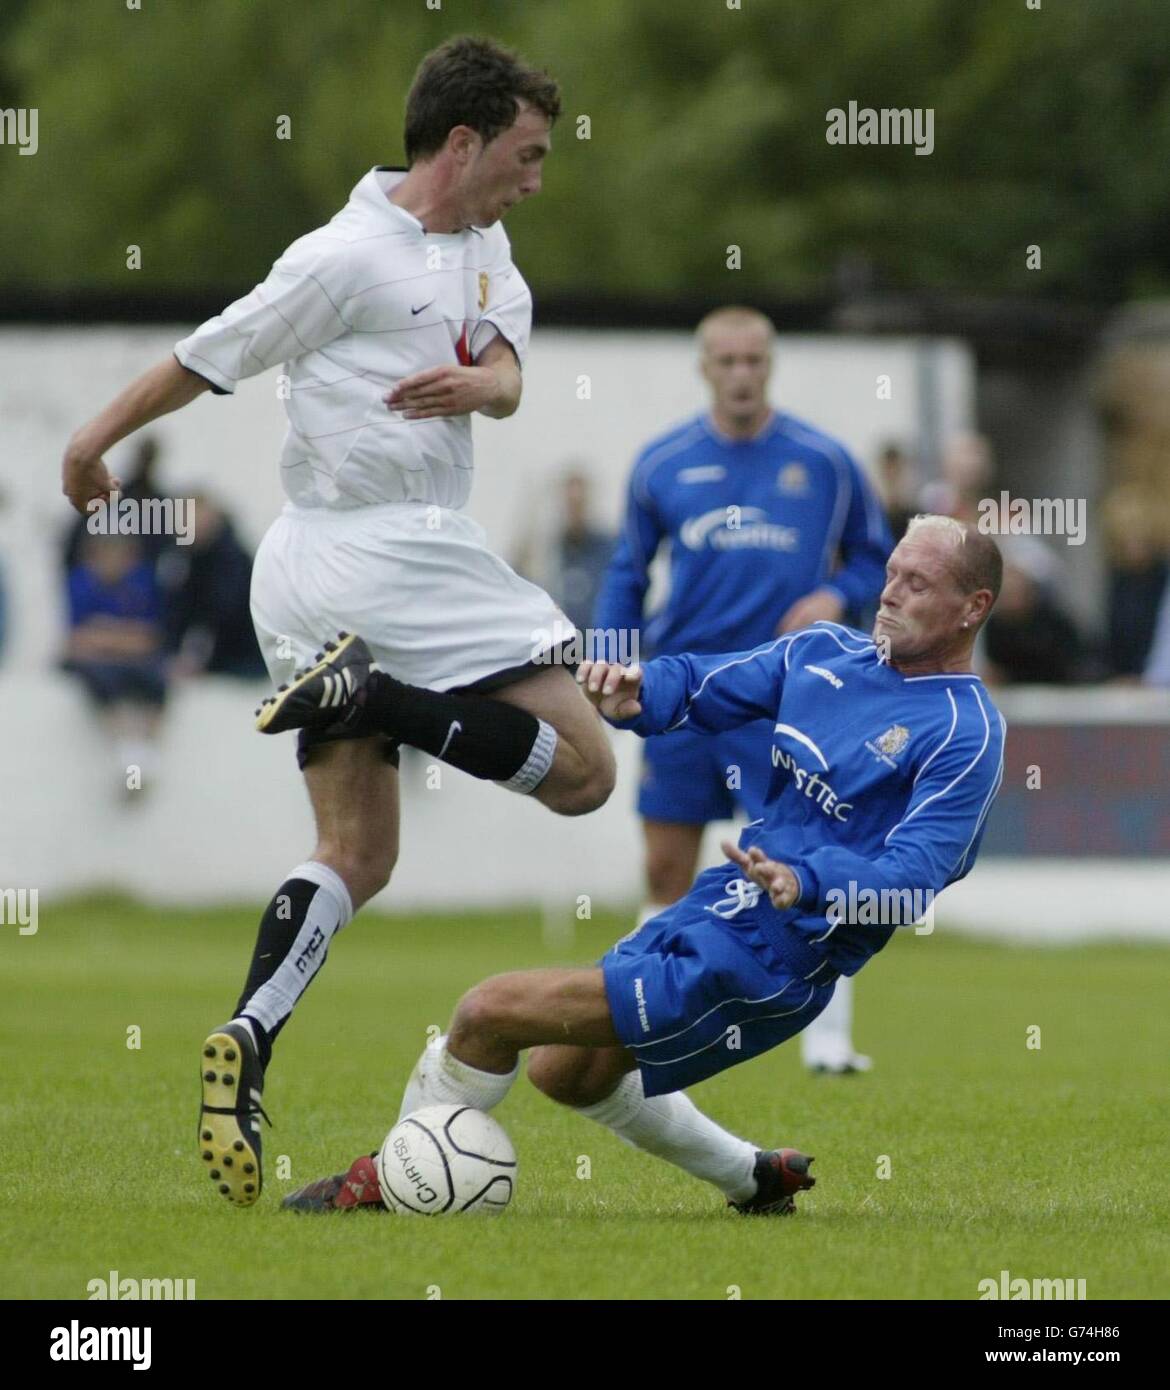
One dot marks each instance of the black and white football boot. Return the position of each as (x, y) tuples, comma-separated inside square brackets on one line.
[(229, 1118), (780, 1174), (326, 693)]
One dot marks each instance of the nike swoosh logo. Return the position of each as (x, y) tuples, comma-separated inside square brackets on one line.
[(455, 728), (421, 307)]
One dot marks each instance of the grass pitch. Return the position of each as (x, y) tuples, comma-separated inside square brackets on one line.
[(1048, 1162)]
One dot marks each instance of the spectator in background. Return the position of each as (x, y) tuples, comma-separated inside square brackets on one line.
[(115, 646), (570, 563), (1138, 574), (1029, 640), (1157, 668), (140, 483), (208, 623), (580, 554), (895, 487), (965, 473)]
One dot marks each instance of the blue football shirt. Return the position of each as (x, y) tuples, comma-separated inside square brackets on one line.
[(750, 525), (880, 783)]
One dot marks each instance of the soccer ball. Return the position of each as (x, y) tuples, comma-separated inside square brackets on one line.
[(446, 1158)]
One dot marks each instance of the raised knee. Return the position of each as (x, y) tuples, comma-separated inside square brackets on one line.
[(481, 1009), (591, 788)]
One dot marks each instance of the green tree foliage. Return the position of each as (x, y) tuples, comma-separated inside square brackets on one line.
[(158, 128)]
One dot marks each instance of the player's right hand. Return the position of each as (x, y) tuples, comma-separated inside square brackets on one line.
[(85, 477), (611, 688), (776, 879)]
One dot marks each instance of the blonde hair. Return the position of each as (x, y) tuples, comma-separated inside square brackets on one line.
[(733, 316), (976, 562)]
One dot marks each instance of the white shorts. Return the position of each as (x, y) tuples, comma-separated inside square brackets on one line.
[(416, 581)]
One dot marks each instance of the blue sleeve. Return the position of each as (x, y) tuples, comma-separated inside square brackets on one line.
[(627, 577), (711, 693), (935, 841), (866, 543)]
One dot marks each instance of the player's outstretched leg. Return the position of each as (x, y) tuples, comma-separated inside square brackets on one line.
[(477, 1061), (354, 792), (537, 735), (754, 1181), (583, 1064)]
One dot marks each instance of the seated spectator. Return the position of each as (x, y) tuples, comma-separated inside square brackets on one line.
[(140, 483), (1157, 669), (580, 554), (1029, 640), (115, 647), (1138, 575), (570, 561), (209, 624)]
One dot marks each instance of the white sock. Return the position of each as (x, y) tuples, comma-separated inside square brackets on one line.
[(329, 910), (536, 765), (440, 1079), (828, 1039), (648, 910), (675, 1129)]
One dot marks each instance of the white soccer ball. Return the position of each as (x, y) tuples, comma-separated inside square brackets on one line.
[(446, 1158)]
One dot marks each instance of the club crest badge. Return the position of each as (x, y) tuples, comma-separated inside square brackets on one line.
[(793, 479), (890, 744)]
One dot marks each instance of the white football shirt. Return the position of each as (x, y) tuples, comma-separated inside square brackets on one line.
[(350, 309)]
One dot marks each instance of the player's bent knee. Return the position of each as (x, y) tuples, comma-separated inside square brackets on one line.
[(484, 1009), (589, 789)]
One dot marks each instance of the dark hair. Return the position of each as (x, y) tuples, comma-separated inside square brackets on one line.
[(473, 82)]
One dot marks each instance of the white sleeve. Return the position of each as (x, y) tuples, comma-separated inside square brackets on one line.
[(508, 311), (298, 308)]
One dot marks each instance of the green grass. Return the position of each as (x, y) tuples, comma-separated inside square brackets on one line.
[(1048, 1163)]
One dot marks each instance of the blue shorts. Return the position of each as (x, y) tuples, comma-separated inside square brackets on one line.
[(685, 775), (714, 980)]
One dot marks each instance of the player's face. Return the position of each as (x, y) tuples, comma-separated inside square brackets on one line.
[(737, 362), (508, 169), (922, 608)]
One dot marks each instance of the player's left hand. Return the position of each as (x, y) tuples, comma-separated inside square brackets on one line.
[(442, 391), (776, 879), (812, 608)]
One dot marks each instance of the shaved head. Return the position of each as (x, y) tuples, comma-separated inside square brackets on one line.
[(735, 358), (734, 317)]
